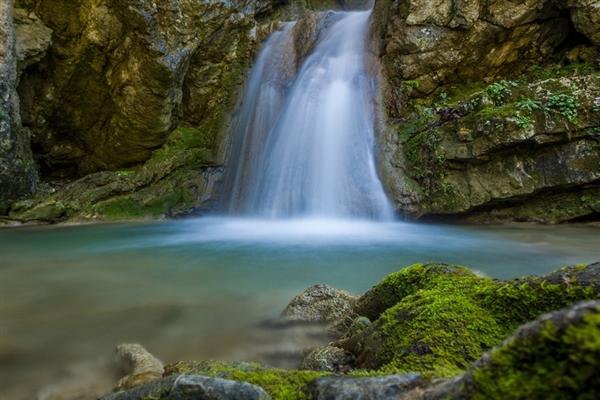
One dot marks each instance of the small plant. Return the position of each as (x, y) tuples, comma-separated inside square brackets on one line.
[(528, 104), (564, 104), (524, 121), (500, 91), (125, 173)]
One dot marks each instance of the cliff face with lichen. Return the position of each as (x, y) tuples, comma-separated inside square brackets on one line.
[(136, 99), (18, 175), (490, 109)]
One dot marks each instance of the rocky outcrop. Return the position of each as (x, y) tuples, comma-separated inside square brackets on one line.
[(525, 149), (120, 76), (427, 50), (33, 39), (18, 173), (177, 181)]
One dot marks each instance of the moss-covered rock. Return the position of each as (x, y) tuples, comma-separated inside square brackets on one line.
[(278, 383), (553, 357), (524, 149), (437, 319)]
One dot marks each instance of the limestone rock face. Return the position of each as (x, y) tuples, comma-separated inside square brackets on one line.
[(524, 150), (33, 38), (112, 86), (585, 15), (440, 42), (18, 174)]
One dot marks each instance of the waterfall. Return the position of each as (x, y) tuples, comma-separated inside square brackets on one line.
[(304, 144)]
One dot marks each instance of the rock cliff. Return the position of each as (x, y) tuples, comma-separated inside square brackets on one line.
[(490, 109), (18, 174)]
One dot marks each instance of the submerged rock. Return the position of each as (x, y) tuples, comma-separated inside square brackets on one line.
[(140, 366)]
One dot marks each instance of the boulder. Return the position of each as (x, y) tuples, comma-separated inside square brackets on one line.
[(319, 304), (439, 323), (556, 357)]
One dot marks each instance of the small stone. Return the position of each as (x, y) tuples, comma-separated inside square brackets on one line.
[(141, 366), (328, 358)]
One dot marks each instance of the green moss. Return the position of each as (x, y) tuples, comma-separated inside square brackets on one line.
[(556, 365), (278, 383), (442, 318), (182, 139), (123, 208)]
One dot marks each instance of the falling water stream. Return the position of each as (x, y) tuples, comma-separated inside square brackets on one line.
[(304, 144), (302, 205)]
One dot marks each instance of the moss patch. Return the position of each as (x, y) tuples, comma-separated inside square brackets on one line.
[(558, 363), (278, 383), (442, 318)]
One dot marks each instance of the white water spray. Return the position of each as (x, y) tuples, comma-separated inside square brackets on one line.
[(304, 148)]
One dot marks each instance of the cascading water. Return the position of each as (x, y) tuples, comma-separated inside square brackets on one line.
[(304, 146)]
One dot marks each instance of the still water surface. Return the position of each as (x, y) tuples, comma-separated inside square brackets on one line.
[(200, 289)]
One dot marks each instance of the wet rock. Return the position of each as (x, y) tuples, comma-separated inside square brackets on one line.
[(141, 366), (205, 388), (18, 173), (319, 304), (328, 359), (33, 38), (345, 388)]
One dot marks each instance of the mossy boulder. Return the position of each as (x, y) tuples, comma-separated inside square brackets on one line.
[(557, 356), (278, 383), (439, 319)]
